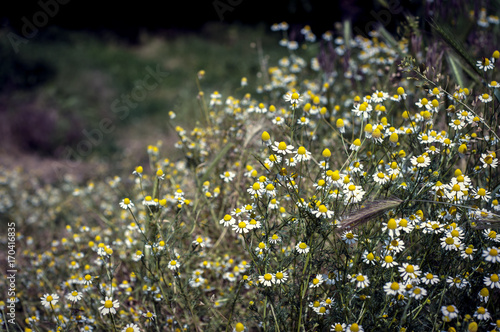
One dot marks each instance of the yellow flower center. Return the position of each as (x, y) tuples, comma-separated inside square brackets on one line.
[(395, 286), (302, 245), (391, 224), (108, 304), (268, 276), (242, 224), (282, 146), (410, 269), (301, 150)]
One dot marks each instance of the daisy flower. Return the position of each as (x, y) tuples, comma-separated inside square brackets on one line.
[(489, 160), (420, 161), (391, 227), (354, 328), (492, 281), (242, 227), (227, 220), (393, 288), (485, 64), (282, 148), (108, 306), (361, 280), (449, 242), (482, 193), (267, 279), (418, 293), (126, 203), (302, 154), (389, 262), (278, 120), (323, 212), (174, 265), (338, 327), (379, 96), (302, 248), (468, 252), (409, 272), (74, 296), (369, 258), (131, 327), (349, 237), (449, 311), (380, 178), (429, 278), (316, 281), (485, 98), (49, 300), (281, 277), (227, 176), (482, 314), (491, 255), (494, 84)]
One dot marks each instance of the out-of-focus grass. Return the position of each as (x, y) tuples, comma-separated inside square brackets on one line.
[(78, 76)]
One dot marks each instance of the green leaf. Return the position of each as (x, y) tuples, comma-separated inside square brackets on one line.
[(456, 68)]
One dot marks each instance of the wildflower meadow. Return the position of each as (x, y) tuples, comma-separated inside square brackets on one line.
[(356, 188)]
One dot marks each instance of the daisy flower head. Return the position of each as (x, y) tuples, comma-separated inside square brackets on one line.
[(420, 161), (349, 237), (369, 258), (494, 84), (338, 327), (489, 160), (491, 255), (409, 271), (485, 64), (302, 248), (323, 212), (174, 265), (492, 281), (392, 228), (74, 296), (228, 220), (282, 148), (241, 227), (482, 313), (227, 176), (302, 154), (293, 98), (449, 311), (361, 280), (281, 277), (354, 328), (317, 281), (108, 306), (485, 98), (49, 300), (380, 178), (389, 262), (239, 327), (267, 279), (482, 193), (429, 278), (131, 327), (126, 203), (418, 292), (393, 288)]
